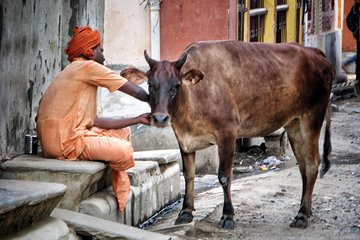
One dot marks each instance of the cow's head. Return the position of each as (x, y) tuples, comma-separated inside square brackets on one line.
[(165, 80)]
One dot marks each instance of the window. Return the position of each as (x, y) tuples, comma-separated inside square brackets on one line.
[(309, 10), (241, 11), (281, 9), (298, 8), (257, 20)]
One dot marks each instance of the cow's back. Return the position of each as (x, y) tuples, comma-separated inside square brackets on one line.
[(254, 84)]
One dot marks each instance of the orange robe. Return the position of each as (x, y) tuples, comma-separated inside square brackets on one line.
[(65, 119)]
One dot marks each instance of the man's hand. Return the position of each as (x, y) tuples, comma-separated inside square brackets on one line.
[(145, 118)]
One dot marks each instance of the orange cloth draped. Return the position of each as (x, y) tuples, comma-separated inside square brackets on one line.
[(115, 147)]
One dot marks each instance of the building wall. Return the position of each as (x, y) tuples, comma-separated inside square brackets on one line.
[(325, 34), (185, 21), (126, 32), (33, 34), (291, 25), (270, 22)]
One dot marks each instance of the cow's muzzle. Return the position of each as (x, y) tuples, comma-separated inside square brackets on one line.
[(160, 119)]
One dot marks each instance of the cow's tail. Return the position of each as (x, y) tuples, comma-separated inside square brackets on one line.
[(325, 165)]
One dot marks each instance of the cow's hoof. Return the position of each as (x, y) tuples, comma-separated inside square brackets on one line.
[(300, 221), (184, 217), (227, 223)]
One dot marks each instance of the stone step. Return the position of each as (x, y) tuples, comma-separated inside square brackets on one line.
[(47, 229), (154, 187), (104, 229), (82, 178), (160, 156), (23, 203), (155, 181)]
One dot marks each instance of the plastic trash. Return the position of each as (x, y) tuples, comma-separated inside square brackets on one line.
[(270, 163)]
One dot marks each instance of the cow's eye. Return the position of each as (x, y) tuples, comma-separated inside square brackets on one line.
[(174, 90)]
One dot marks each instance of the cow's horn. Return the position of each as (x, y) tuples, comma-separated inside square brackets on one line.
[(150, 61), (180, 62)]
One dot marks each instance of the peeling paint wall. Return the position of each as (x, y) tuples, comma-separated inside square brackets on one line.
[(33, 34)]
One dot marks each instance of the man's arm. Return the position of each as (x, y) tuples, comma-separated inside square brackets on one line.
[(111, 123), (135, 91)]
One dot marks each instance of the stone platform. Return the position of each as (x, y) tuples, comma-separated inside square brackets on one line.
[(82, 178), (23, 203), (155, 182)]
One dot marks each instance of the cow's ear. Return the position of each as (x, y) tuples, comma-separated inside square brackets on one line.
[(192, 77), (134, 75)]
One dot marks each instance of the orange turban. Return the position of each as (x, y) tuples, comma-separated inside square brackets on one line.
[(82, 42)]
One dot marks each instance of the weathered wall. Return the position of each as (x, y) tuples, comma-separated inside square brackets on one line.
[(126, 32), (33, 34), (329, 43), (186, 21)]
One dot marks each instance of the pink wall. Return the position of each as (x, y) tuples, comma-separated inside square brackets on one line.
[(185, 21)]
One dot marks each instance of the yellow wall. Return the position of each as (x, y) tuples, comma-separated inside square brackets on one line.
[(269, 34), (291, 21), (270, 28), (246, 22)]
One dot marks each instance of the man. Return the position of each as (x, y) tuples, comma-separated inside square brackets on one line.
[(67, 125)]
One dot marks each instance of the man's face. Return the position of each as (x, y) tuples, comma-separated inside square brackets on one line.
[(98, 55)]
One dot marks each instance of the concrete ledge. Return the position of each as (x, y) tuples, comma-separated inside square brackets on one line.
[(145, 199), (82, 178), (142, 171), (160, 156), (25, 202), (48, 229), (29, 162), (104, 229)]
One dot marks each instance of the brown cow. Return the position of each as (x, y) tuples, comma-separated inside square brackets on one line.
[(220, 91)]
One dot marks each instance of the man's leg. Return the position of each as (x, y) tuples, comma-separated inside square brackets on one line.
[(119, 154)]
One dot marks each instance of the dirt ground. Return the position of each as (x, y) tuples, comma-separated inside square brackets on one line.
[(266, 203)]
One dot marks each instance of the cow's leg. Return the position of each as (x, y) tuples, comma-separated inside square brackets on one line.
[(303, 138), (185, 216), (226, 147)]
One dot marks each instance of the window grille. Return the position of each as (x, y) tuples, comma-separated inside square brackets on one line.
[(241, 11), (310, 13), (281, 25), (257, 20), (298, 8)]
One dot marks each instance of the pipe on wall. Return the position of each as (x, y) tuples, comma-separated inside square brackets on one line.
[(155, 28)]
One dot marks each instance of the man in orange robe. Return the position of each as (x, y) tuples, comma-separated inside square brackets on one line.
[(67, 122)]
